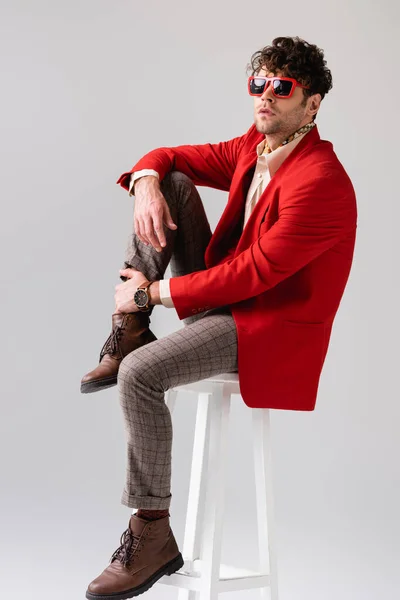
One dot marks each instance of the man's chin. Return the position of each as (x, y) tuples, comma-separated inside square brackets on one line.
[(266, 128)]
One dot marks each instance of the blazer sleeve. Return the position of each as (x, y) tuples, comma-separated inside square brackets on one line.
[(210, 165), (313, 216)]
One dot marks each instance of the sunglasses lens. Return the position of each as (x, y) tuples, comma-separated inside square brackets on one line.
[(282, 87), (257, 85)]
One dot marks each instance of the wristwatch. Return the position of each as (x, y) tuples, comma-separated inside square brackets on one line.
[(142, 297)]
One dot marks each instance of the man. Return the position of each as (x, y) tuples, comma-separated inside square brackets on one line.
[(258, 296)]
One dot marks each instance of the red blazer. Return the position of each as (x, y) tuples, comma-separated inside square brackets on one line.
[(284, 273)]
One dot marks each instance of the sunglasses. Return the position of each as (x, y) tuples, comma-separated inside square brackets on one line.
[(282, 87)]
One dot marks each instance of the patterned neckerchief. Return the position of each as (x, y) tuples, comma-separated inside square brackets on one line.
[(293, 136)]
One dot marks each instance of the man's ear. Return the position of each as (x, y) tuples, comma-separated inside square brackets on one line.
[(315, 103)]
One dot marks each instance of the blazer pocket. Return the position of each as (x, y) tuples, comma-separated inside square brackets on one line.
[(306, 341), (304, 323)]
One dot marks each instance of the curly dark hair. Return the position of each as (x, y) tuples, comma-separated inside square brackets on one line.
[(296, 58)]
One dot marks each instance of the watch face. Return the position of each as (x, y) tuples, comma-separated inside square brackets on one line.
[(140, 298)]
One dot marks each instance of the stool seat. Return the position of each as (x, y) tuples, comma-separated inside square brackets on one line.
[(233, 376), (229, 381), (202, 576)]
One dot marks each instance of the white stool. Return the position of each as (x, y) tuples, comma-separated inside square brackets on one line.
[(203, 572)]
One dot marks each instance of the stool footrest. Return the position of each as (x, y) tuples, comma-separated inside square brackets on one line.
[(231, 578)]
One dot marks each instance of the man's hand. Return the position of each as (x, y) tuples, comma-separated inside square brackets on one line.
[(151, 212), (125, 291)]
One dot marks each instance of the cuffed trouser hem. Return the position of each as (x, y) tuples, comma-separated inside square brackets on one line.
[(151, 502)]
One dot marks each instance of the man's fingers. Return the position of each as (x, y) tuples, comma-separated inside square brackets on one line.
[(142, 232), (150, 235), (138, 232), (159, 229), (149, 222), (167, 218)]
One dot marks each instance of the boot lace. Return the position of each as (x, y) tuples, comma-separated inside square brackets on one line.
[(129, 542), (111, 345)]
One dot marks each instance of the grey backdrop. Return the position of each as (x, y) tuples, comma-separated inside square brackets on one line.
[(87, 88)]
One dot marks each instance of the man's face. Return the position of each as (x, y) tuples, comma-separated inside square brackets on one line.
[(287, 114)]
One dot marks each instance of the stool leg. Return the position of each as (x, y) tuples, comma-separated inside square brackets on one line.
[(215, 491), (170, 399), (196, 500), (264, 498)]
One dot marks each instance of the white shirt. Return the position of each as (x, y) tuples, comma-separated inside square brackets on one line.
[(266, 167)]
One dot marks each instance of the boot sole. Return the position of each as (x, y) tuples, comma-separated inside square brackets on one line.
[(99, 384), (171, 567)]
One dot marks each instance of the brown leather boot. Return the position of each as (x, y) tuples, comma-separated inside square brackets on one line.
[(148, 551), (129, 331)]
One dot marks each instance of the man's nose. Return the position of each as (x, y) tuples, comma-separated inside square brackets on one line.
[(267, 93)]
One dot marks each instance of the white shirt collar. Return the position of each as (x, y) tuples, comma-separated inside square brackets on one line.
[(275, 158)]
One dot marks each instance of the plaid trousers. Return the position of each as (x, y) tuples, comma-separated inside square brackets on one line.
[(205, 346)]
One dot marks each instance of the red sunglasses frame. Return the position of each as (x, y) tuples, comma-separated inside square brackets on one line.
[(271, 79)]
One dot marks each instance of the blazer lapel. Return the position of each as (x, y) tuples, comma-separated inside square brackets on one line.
[(232, 216), (261, 206)]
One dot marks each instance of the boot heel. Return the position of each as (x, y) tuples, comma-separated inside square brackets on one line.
[(175, 565)]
